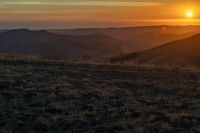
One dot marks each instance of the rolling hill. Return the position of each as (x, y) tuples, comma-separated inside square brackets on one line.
[(46, 44), (138, 38), (95, 44), (184, 52)]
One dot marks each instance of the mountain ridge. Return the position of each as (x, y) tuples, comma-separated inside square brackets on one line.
[(184, 52), (39, 42)]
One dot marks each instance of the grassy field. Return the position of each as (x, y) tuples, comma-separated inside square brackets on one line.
[(58, 97)]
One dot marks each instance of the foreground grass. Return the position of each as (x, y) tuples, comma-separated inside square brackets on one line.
[(65, 97)]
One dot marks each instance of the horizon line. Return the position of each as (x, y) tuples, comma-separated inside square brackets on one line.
[(106, 27)]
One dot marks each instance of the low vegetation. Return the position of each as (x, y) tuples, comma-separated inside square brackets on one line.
[(42, 96)]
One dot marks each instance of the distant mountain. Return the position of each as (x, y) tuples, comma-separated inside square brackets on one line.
[(1, 31), (185, 52), (90, 44), (46, 44), (138, 38), (23, 40)]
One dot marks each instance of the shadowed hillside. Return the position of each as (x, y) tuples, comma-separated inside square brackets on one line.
[(139, 38), (49, 45), (185, 52), (96, 44)]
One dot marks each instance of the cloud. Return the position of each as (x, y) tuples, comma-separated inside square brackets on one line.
[(103, 4)]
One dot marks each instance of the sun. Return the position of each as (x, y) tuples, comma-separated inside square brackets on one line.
[(189, 14)]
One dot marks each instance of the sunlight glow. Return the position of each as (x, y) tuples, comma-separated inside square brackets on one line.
[(189, 14)]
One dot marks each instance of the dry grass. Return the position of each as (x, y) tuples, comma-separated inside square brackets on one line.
[(66, 97)]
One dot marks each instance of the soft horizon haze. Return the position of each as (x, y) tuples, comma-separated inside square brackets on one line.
[(97, 13)]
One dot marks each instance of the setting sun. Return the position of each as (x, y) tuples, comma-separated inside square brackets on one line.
[(189, 14)]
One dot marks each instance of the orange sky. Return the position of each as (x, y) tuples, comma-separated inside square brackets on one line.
[(96, 13)]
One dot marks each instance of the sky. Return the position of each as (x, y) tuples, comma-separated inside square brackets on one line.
[(54, 14)]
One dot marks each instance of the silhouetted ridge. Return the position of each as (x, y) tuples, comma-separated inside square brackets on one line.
[(185, 52), (46, 44), (137, 38), (26, 32), (197, 36)]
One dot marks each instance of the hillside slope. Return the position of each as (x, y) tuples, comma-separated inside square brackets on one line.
[(180, 53), (138, 38), (45, 44)]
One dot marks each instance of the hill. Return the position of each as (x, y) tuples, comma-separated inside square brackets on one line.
[(96, 44), (184, 52), (138, 38), (46, 44)]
